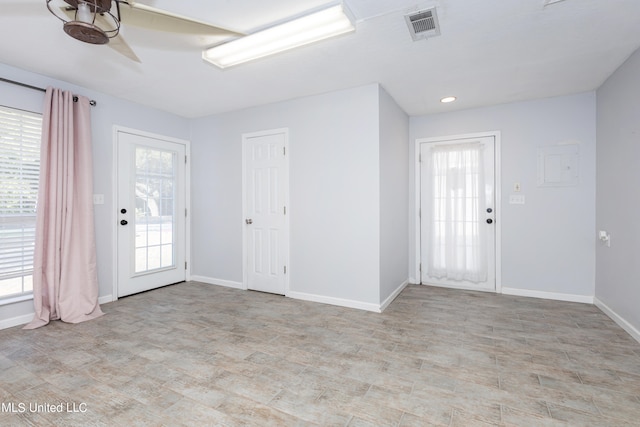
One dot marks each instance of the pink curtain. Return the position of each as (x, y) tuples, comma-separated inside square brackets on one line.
[(65, 281)]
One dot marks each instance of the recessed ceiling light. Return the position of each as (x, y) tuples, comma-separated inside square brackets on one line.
[(448, 99)]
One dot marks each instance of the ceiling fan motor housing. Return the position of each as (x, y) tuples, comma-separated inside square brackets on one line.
[(80, 16), (85, 32)]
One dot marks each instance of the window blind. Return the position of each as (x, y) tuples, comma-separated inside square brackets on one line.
[(20, 133)]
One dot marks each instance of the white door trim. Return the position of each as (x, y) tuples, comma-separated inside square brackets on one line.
[(114, 186), (498, 196), (245, 255)]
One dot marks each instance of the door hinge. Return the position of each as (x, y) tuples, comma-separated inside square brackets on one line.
[(185, 212), (185, 160), (420, 267), (285, 269), (185, 265), (420, 158), (285, 210), (284, 151), (420, 213)]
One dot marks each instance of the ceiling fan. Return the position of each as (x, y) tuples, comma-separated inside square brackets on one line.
[(98, 22)]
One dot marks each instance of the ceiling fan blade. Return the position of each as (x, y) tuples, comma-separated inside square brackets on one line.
[(151, 18), (119, 44)]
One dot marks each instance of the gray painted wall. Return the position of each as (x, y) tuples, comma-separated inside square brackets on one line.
[(334, 192), (349, 213), (394, 195), (548, 243), (618, 198), (110, 111)]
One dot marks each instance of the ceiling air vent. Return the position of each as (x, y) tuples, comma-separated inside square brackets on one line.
[(423, 24)]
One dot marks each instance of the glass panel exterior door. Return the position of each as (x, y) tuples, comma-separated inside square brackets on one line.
[(457, 205), (151, 213)]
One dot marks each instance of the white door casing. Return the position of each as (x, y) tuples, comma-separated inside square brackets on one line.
[(265, 216), (488, 213), (151, 203)]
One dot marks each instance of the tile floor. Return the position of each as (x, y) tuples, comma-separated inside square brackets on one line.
[(195, 354)]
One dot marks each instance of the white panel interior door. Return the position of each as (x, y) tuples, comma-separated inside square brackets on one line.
[(151, 213), (265, 202), (457, 213)]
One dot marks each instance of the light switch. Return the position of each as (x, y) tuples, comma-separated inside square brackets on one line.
[(516, 199), (98, 199)]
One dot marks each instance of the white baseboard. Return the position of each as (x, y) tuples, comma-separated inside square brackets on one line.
[(631, 330), (106, 299), (219, 282), (16, 321), (548, 295), (310, 297), (335, 301), (393, 296), (26, 318)]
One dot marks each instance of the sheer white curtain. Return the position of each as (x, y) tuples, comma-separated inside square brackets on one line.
[(456, 238)]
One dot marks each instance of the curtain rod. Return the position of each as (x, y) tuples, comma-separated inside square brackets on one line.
[(13, 82)]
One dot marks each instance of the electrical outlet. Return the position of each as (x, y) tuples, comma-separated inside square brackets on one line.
[(605, 238)]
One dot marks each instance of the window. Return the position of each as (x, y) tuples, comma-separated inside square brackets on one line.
[(20, 133)]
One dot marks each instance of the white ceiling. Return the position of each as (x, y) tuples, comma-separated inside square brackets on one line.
[(489, 52)]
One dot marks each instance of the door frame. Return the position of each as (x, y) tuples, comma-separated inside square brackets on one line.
[(497, 191), (114, 185), (287, 236)]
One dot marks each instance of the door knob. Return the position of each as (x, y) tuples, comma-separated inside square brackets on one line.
[(489, 221), (124, 222), (123, 211), (248, 221), (489, 210)]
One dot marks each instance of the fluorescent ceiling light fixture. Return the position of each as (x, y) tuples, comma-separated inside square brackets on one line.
[(448, 99), (311, 28)]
